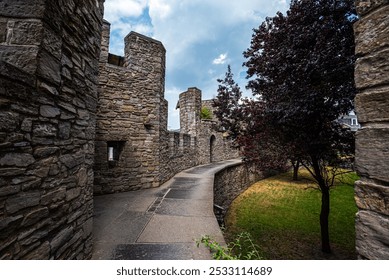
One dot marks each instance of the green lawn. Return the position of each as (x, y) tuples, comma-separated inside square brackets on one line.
[(282, 217)]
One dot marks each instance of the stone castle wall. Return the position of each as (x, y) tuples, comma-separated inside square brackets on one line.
[(214, 144), (134, 149), (131, 102), (372, 142), (49, 54)]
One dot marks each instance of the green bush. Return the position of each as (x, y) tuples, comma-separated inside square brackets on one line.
[(205, 113)]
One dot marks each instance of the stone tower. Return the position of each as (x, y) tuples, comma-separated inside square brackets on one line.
[(190, 106), (49, 53), (372, 141), (131, 115)]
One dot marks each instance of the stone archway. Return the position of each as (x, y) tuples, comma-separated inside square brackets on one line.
[(212, 142)]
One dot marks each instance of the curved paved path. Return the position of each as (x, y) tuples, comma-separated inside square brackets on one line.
[(160, 223)]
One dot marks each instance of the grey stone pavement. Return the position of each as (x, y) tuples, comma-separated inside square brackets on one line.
[(161, 223)]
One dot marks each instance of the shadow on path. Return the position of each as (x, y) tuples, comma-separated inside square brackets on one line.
[(161, 223)]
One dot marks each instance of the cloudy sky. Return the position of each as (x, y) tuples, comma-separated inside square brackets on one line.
[(201, 38)]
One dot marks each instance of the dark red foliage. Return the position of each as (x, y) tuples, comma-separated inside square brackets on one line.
[(301, 69)]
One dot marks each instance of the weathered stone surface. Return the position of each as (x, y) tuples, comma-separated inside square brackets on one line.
[(3, 30), (42, 152), (372, 153), (26, 125), (21, 201), (35, 216), (44, 130), (54, 197), (228, 184), (372, 239), (22, 8), (71, 161), (371, 70), (52, 43), (61, 238), (72, 193), (25, 32), (9, 190), (370, 196), (10, 71), (16, 159), (372, 147), (5, 223), (371, 32), (9, 121), (49, 67), (49, 111), (40, 253), (366, 6), (48, 89), (23, 57), (39, 108), (11, 171), (372, 105)]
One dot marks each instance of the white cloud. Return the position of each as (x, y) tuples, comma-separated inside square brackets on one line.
[(222, 59), (197, 35), (114, 10)]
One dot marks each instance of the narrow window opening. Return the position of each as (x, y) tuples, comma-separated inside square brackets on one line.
[(114, 150)]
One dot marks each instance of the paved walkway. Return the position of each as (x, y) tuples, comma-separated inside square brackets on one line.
[(160, 223)]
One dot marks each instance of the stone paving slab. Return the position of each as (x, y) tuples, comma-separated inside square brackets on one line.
[(162, 223), (185, 207), (176, 251), (178, 229)]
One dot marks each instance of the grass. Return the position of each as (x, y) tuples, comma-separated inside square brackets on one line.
[(282, 217)]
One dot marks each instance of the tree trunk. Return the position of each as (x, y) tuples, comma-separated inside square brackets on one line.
[(325, 207), (296, 166), (324, 215)]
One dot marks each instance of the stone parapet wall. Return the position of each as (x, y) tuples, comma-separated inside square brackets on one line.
[(372, 142), (214, 145), (178, 153), (49, 54), (229, 183)]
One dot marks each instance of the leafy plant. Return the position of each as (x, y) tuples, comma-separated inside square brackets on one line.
[(242, 248), (205, 113)]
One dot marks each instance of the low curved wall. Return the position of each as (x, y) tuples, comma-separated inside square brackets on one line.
[(228, 184)]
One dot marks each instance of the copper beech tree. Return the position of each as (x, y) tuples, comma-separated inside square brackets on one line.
[(301, 73)]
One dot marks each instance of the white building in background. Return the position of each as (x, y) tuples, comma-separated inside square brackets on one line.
[(350, 121)]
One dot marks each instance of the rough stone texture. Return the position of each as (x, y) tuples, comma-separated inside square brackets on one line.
[(372, 142), (372, 237), (132, 121), (366, 6), (128, 116), (372, 105), (228, 184), (49, 54)]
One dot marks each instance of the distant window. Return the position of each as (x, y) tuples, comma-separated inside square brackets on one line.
[(354, 121), (114, 150)]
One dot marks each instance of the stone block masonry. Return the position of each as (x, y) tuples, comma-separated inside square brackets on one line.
[(372, 143), (134, 150), (129, 122), (229, 183), (49, 53)]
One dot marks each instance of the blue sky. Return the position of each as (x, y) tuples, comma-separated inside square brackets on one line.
[(201, 38)]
